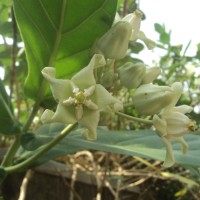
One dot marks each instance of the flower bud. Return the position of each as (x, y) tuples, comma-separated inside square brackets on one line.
[(150, 99), (131, 75), (107, 79), (114, 43), (135, 20), (151, 74)]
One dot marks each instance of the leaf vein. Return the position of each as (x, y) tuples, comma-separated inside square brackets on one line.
[(35, 25), (85, 20), (47, 14)]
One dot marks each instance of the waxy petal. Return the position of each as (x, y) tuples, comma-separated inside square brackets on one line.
[(64, 114), (183, 109), (61, 89), (160, 125), (103, 98), (90, 120), (47, 116), (184, 145), (177, 88), (169, 158), (148, 42), (79, 112), (85, 78)]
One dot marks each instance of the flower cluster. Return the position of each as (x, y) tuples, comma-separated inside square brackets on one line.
[(82, 98), (169, 120)]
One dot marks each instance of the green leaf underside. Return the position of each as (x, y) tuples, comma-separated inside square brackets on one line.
[(142, 143), (60, 34)]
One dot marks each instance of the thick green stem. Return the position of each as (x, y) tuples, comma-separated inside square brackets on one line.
[(46, 148), (145, 121)]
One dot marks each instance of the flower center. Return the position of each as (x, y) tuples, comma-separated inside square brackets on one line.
[(79, 97)]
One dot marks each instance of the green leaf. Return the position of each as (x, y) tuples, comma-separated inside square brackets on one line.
[(164, 36), (60, 34), (159, 28), (142, 143), (8, 123)]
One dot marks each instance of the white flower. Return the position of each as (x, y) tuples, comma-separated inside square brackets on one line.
[(114, 43), (135, 20), (79, 99), (173, 124)]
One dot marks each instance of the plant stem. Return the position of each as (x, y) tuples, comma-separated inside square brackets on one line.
[(145, 121), (8, 158), (46, 148)]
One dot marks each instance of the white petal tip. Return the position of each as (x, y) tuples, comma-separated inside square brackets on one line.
[(47, 116)]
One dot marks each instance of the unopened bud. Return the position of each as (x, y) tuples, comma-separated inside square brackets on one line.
[(135, 20), (107, 79), (150, 99), (151, 74), (114, 43), (131, 75)]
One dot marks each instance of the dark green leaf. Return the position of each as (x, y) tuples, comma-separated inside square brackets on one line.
[(60, 34)]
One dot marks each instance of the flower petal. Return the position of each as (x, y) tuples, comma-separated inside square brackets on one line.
[(64, 114), (184, 145), (177, 124), (177, 88), (90, 120), (61, 89), (148, 42), (103, 98), (183, 109), (85, 78), (169, 158), (160, 125), (47, 116)]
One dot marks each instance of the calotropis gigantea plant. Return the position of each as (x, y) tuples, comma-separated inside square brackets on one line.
[(79, 99)]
